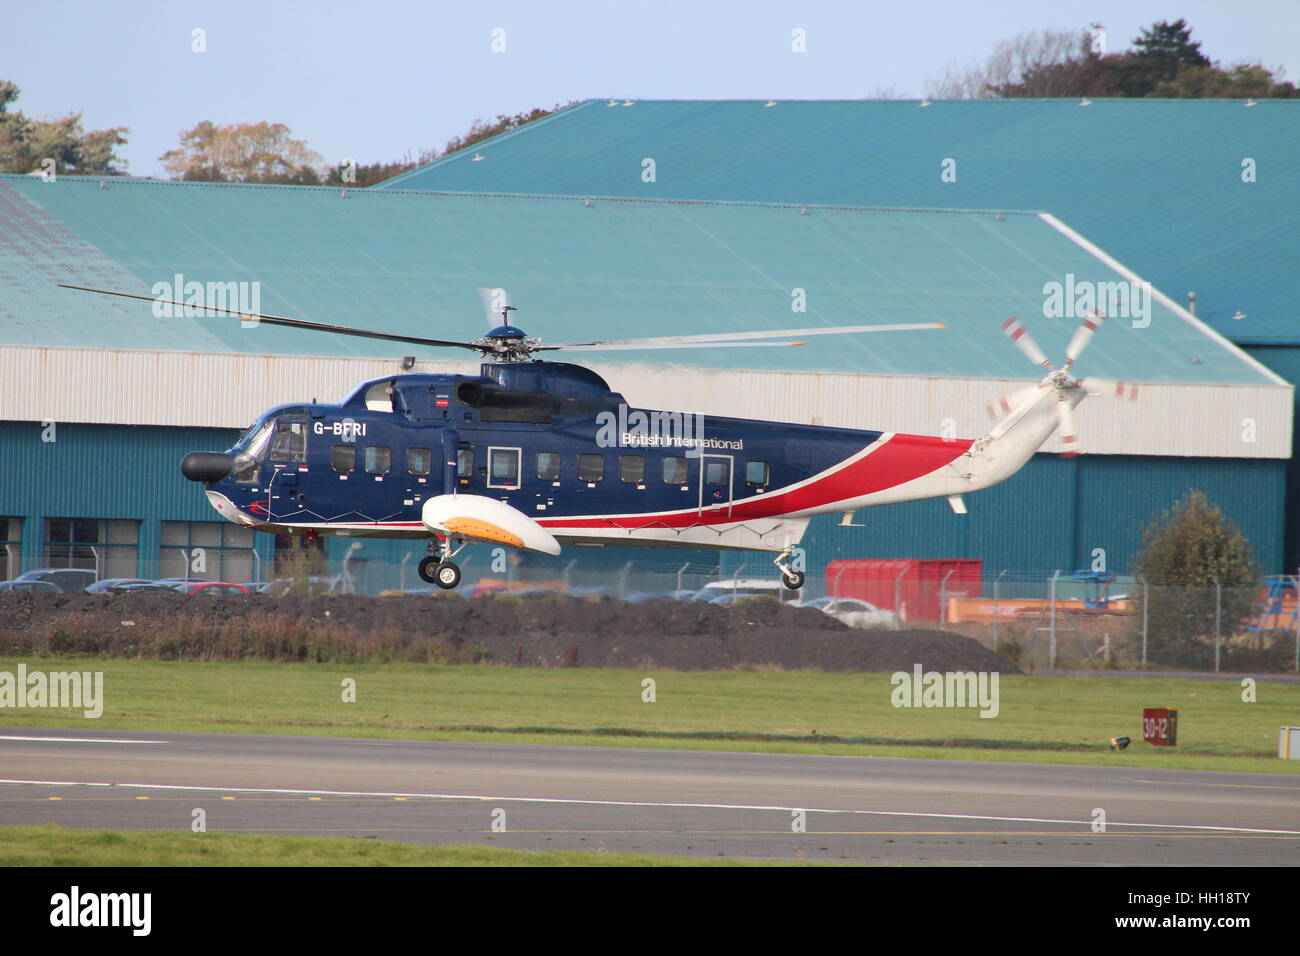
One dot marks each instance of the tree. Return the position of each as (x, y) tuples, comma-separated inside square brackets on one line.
[(26, 143), (243, 153), (1164, 62), (480, 130), (1193, 559)]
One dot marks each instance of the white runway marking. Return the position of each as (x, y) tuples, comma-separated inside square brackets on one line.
[(81, 740), (639, 803)]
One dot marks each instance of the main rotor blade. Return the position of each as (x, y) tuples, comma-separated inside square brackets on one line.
[(1017, 334), (727, 337), (1065, 424), (1082, 336), (288, 322), (637, 347)]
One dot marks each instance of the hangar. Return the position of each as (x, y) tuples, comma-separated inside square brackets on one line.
[(103, 397)]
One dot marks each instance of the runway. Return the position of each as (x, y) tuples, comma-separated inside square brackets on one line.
[(695, 803)]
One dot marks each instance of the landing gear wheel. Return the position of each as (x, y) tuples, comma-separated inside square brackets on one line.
[(447, 576), (793, 580), (428, 569)]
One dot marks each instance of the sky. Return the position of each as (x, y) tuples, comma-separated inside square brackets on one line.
[(375, 81)]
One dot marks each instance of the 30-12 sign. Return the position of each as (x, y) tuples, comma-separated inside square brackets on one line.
[(1160, 726)]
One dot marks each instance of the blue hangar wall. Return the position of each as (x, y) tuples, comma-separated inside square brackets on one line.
[(1051, 515)]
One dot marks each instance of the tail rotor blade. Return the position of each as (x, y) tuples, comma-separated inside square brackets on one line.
[(1082, 336), (1017, 334), (1111, 388), (1007, 403), (1065, 424)]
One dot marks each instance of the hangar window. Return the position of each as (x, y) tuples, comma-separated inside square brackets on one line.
[(419, 460), (631, 469), (343, 459), (11, 543), (591, 467), (379, 459), (757, 473), (207, 551), (108, 547), (674, 470), (548, 466)]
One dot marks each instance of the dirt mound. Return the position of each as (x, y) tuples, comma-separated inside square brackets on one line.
[(543, 631)]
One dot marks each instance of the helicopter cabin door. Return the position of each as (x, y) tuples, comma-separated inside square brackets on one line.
[(450, 458), (716, 473)]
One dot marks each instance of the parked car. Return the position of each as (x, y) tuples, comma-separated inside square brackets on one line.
[(30, 587), (210, 588), (853, 612), (745, 587), (728, 599), (67, 580), (114, 584)]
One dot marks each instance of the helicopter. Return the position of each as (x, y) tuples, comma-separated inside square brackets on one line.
[(534, 454)]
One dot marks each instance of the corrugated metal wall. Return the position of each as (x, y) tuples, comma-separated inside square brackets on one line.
[(1285, 360), (190, 389)]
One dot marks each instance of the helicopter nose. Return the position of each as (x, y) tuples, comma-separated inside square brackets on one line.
[(206, 466)]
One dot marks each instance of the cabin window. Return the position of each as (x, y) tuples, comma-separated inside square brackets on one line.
[(503, 467), (419, 460), (343, 459), (591, 467), (715, 472), (548, 466), (464, 462), (379, 458), (289, 442), (757, 473), (631, 469), (674, 470)]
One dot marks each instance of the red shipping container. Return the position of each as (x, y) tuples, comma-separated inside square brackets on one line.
[(908, 586)]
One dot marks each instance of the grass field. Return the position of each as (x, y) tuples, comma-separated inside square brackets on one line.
[(52, 845), (1041, 719)]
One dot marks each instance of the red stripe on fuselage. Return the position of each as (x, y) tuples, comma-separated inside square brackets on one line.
[(899, 460)]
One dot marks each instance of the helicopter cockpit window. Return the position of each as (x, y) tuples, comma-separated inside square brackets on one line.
[(253, 442), (289, 441)]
